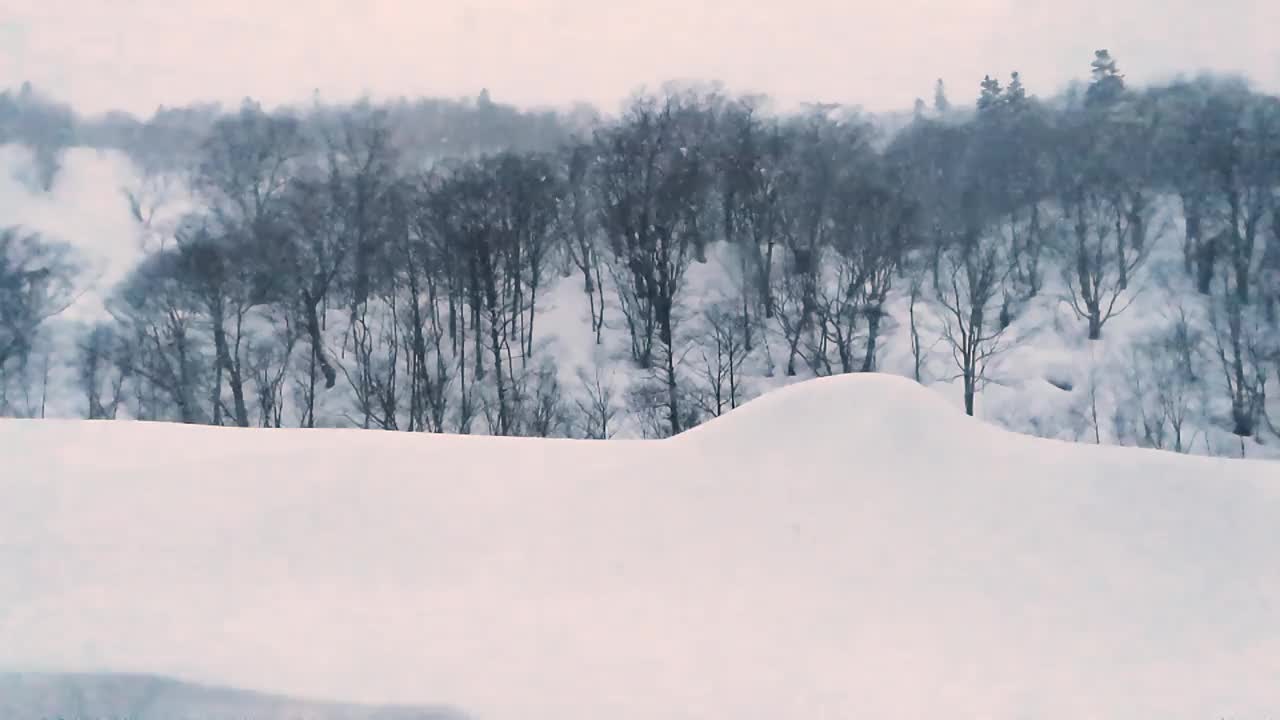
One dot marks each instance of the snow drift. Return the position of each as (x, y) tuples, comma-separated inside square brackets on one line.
[(846, 547)]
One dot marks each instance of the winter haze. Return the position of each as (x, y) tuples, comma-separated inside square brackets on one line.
[(621, 361), (140, 54)]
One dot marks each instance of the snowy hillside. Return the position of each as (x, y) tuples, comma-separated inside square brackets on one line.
[(143, 697), (846, 547), (1101, 266), (1048, 380)]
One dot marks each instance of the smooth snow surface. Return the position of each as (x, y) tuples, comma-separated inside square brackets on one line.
[(847, 547)]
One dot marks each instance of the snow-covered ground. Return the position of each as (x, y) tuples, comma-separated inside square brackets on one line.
[(846, 547)]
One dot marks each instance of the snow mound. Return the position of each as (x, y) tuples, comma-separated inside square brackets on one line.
[(845, 547), (865, 408)]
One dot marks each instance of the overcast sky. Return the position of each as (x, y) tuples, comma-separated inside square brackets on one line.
[(137, 54)]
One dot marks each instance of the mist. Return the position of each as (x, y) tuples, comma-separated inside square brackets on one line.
[(136, 56)]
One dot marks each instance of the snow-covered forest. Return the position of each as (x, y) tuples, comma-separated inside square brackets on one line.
[(1099, 266)]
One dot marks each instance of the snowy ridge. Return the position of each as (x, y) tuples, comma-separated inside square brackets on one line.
[(868, 409), (845, 547)]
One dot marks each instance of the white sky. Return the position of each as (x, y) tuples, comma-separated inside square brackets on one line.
[(137, 54)]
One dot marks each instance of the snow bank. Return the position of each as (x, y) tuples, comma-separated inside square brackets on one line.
[(848, 547)]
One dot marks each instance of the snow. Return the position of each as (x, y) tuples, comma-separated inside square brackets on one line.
[(143, 697), (844, 547), (86, 208)]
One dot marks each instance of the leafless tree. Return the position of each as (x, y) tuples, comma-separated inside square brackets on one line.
[(268, 362), (160, 319), (723, 353), (1165, 386), (871, 233), (37, 282), (829, 151), (967, 287), (917, 350), (545, 412), (101, 375), (1238, 344), (1100, 257), (596, 405), (654, 184), (581, 222)]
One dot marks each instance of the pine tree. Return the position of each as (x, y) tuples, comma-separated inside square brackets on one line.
[(1103, 65), (918, 111), (991, 93), (940, 101), (1107, 84), (1015, 94)]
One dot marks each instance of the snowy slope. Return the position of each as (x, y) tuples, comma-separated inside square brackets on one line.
[(847, 547), (1049, 382), (144, 697)]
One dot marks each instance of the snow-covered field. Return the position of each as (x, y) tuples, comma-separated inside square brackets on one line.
[(846, 547)]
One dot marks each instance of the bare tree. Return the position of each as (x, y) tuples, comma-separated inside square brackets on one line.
[(268, 362), (1101, 257), (159, 318), (829, 151), (723, 354), (967, 287), (1165, 385), (100, 373), (1238, 345), (545, 412), (596, 405), (871, 233), (757, 174), (916, 349), (312, 252), (1106, 215), (37, 282), (654, 179), (581, 221), (1245, 173)]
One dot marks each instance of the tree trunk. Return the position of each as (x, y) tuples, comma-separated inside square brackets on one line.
[(873, 331), (1206, 260), (1191, 242), (1095, 325), (232, 369), (662, 306), (968, 393), (1123, 267), (317, 343)]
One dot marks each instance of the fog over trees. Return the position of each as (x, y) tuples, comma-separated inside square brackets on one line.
[(387, 265)]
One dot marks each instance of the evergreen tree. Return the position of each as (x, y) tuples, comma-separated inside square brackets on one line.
[(1015, 94), (940, 101), (992, 93), (1108, 84)]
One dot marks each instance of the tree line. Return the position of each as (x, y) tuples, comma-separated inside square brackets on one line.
[(327, 261)]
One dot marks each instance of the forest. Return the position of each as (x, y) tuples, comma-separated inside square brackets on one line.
[(389, 265)]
